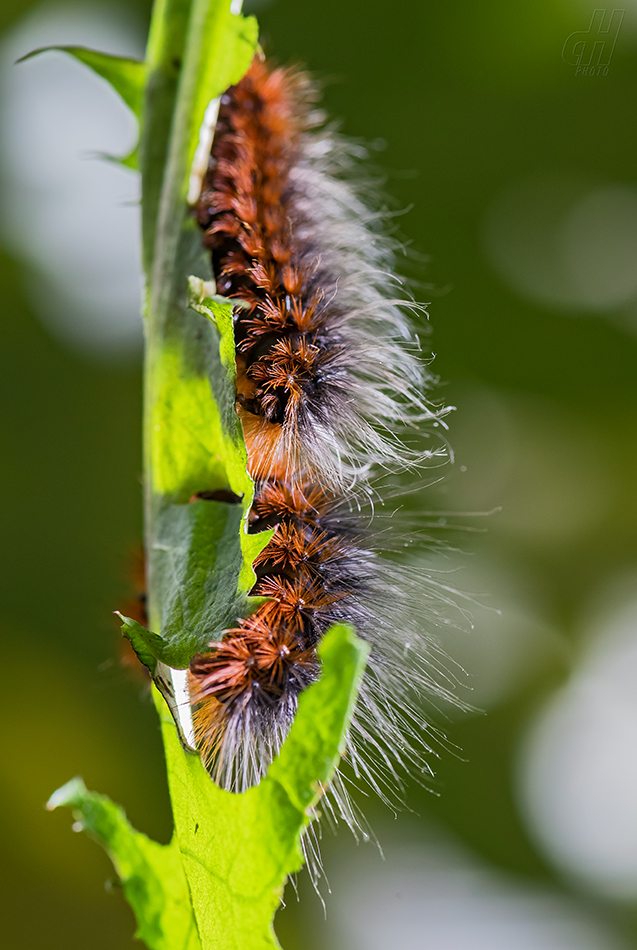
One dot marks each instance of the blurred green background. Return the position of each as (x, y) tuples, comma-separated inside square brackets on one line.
[(517, 168)]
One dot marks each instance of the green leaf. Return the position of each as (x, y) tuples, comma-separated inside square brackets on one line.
[(238, 850), (191, 446), (202, 299), (197, 438), (197, 563), (151, 874), (146, 644), (218, 883), (129, 161), (126, 76), (201, 554)]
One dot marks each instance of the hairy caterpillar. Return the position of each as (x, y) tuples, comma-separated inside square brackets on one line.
[(329, 380)]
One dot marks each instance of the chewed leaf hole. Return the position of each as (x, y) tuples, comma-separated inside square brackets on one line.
[(220, 494)]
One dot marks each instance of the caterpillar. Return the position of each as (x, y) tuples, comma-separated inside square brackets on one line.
[(330, 382)]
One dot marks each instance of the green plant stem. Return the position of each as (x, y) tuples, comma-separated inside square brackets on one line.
[(190, 60), (218, 883)]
